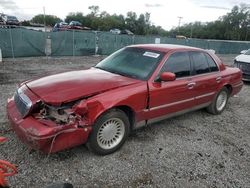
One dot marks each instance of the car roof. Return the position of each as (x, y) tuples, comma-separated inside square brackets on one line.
[(165, 47)]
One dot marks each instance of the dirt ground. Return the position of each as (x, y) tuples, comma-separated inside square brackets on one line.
[(193, 150)]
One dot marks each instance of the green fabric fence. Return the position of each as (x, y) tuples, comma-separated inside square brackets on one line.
[(21, 42), (72, 43)]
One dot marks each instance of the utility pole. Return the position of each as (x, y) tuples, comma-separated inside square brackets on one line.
[(44, 19), (180, 18), (191, 31)]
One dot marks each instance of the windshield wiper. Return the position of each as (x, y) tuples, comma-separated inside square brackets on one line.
[(124, 74), (117, 72)]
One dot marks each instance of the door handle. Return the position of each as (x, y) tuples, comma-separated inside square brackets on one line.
[(218, 79), (191, 85)]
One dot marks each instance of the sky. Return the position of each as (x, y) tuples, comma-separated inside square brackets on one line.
[(163, 13)]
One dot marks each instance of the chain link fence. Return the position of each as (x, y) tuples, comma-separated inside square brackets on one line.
[(22, 42)]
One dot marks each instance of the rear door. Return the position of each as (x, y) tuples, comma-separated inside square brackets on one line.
[(205, 75)]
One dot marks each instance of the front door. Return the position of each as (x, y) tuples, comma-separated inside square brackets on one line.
[(167, 98)]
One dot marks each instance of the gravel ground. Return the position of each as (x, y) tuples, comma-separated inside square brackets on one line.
[(193, 150)]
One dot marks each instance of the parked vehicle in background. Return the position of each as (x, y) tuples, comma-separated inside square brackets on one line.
[(10, 20), (61, 26), (180, 37), (133, 87), (115, 31), (75, 25), (126, 32), (118, 31), (242, 61)]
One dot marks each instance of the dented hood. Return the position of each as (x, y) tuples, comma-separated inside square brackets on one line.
[(73, 85)]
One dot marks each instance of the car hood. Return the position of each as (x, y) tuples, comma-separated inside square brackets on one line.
[(243, 58), (69, 86)]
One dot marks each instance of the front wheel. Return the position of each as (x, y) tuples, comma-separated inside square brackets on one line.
[(110, 131), (219, 103)]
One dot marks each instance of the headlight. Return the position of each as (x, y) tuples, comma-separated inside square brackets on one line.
[(23, 102)]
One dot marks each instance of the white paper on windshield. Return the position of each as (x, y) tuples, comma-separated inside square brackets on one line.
[(151, 54)]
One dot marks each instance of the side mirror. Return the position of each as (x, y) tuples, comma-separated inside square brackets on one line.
[(167, 76)]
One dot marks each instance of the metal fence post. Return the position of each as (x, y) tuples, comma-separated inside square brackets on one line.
[(1, 59), (73, 43), (11, 44), (96, 43), (133, 39)]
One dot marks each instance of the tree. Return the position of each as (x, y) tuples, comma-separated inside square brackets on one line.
[(103, 21), (235, 25), (94, 10), (130, 21), (50, 20)]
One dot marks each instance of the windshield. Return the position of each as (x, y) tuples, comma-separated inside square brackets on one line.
[(247, 52), (132, 62)]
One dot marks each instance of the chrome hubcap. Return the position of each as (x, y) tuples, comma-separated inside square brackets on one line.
[(221, 101), (110, 133)]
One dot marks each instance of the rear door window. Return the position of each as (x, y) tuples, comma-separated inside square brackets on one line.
[(200, 63)]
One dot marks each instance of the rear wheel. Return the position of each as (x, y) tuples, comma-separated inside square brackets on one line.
[(110, 131), (219, 103)]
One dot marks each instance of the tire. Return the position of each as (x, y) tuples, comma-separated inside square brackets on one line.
[(219, 102), (109, 133)]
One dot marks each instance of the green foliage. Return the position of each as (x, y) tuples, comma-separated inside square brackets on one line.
[(25, 23), (103, 21), (50, 20), (235, 25)]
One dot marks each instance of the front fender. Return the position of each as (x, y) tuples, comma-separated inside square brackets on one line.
[(134, 97)]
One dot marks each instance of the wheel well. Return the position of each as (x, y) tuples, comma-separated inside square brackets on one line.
[(129, 112), (230, 88)]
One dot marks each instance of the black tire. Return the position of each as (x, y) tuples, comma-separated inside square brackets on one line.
[(98, 137), (213, 107)]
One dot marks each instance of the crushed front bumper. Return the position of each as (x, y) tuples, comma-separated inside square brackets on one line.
[(47, 138), (245, 68), (246, 76)]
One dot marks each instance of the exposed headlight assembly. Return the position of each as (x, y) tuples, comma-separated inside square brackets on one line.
[(23, 102)]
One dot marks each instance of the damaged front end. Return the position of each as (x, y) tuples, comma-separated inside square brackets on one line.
[(46, 127), (61, 115)]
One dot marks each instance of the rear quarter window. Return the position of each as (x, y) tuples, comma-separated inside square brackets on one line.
[(212, 65)]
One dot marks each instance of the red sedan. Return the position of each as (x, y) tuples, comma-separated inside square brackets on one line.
[(133, 87)]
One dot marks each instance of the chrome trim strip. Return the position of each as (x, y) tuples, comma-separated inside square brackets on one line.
[(205, 95), (177, 113), (179, 102), (171, 104), (198, 75)]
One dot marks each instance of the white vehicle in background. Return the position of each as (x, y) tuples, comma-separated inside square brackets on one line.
[(242, 61), (115, 31)]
